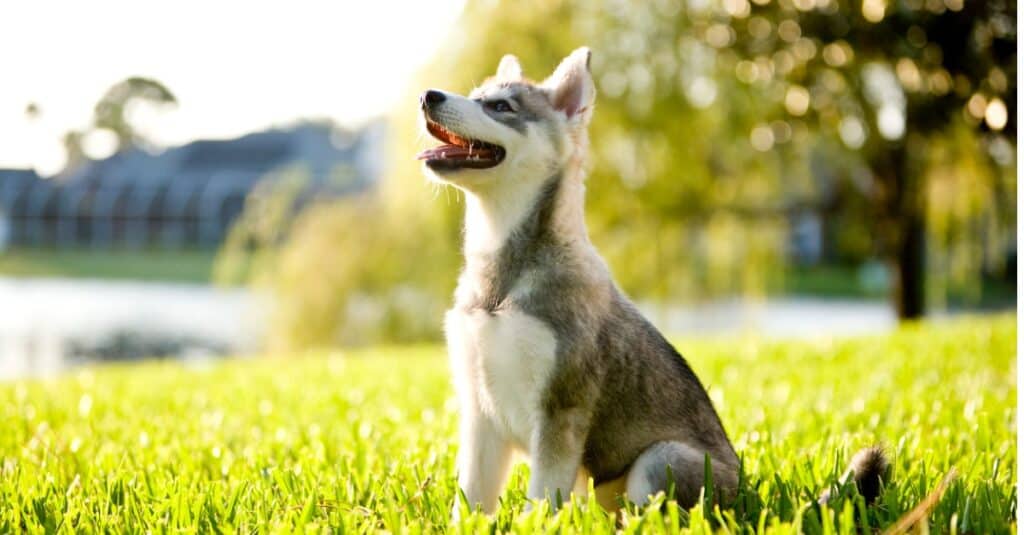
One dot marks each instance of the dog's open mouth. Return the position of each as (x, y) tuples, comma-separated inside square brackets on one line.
[(459, 152)]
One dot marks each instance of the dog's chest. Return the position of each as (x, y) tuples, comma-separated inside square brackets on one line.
[(502, 363)]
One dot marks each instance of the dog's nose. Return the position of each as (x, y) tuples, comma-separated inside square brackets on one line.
[(431, 98)]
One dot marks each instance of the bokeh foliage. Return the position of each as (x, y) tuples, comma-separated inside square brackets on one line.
[(718, 122), (915, 88)]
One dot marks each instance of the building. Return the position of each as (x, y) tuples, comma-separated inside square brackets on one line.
[(186, 196)]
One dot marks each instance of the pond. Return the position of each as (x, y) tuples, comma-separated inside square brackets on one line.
[(49, 324)]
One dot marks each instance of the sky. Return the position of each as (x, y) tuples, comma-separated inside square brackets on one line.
[(235, 67)]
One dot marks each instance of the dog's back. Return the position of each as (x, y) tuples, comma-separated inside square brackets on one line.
[(649, 394)]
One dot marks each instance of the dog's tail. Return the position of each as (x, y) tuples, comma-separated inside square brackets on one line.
[(869, 470)]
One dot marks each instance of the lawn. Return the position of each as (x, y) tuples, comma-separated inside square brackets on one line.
[(364, 441), (197, 266), (193, 266)]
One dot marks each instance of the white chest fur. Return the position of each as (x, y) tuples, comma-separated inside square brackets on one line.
[(501, 364)]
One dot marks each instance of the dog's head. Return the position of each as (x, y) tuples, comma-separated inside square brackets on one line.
[(509, 128)]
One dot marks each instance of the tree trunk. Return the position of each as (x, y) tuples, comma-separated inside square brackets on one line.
[(909, 287), (903, 227)]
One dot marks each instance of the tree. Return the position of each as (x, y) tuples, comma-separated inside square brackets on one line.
[(893, 82), (75, 154), (111, 112), (32, 111)]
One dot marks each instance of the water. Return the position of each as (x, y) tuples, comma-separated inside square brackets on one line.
[(48, 325), (786, 317)]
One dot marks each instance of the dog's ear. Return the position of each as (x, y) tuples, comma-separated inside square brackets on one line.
[(570, 87), (509, 68)]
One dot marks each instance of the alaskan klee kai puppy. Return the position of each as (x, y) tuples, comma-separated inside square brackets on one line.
[(549, 357)]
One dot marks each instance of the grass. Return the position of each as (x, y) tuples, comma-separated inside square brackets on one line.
[(194, 266), (837, 281), (364, 441), (197, 266), (832, 281)]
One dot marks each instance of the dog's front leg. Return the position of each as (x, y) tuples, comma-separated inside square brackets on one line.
[(556, 452), (482, 462)]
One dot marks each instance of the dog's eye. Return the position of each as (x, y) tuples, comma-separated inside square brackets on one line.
[(500, 106)]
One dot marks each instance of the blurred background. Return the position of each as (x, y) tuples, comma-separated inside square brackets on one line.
[(194, 179)]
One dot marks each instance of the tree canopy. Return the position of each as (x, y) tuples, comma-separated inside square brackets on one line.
[(112, 110)]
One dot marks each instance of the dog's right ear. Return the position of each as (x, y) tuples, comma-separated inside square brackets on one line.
[(571, 86), (509, 68)]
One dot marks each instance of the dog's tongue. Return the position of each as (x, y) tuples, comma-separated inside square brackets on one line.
[(454, 152)]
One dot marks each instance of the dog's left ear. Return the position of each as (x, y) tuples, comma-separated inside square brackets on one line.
[(509, 68), (571, 88)]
